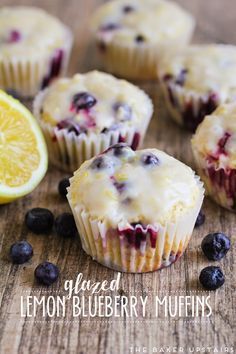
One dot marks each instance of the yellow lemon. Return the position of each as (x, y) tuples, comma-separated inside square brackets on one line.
[(23, 152)]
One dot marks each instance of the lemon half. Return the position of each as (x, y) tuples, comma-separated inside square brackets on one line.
[(23, 152)]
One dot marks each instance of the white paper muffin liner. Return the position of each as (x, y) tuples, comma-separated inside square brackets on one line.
[(186, 107), (67, 151), (25, 75), (110, 247), (136, 61), (220, 184)]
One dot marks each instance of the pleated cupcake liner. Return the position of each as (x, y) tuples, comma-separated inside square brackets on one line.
[(67, 151), (129, 62), (111, 247), (220, 183), (186, 107), (137, 61), (25, 75)]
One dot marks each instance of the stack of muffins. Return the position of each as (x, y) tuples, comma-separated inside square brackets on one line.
[(135, 210)]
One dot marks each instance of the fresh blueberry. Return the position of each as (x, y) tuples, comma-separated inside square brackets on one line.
[(180, 80), (120, 186), (212, 278), (139, 38), (46, 273), (39, 220), (62, 187), (101, 162), (200, 219), (215, 246), (109, 27), (150, 160), (65, 225), (127, 9), (21, 252), (123, 111), (83, 100), (118, 149), (72, 126)]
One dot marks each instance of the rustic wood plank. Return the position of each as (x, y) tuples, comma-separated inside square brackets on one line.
[(215, 23)]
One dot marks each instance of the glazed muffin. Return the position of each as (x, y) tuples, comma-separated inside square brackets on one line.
[(35, 48), (197, 80), (214, 149), (132, 34), (84, 115), (135, 211)]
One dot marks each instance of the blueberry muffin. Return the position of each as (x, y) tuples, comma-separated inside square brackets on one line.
[(132, 34), (84, 115), (35, 48), (197, 80), (135, 211), (214, 149)]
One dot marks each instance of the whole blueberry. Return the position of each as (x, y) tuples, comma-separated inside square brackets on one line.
[(123, 111), (139, 38), (128, 8), (101, 162), (110, 26), (39, 220), (150, 160), (83, 100), (118, 149), (215, 246), (180, 80), (46, 273), (65, 225), (21, 252), (62, 187), (200, 219), (212, 278)]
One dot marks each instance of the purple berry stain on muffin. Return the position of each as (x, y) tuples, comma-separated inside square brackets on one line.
[(191, 119), (135, 142), (55, 68), (222, 143), (138, 233), (14, 36)]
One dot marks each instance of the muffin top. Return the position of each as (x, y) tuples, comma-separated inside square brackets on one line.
[(127, 187), (203, 69), (29, 31), (215, 138), (94, 102), (137, 21)]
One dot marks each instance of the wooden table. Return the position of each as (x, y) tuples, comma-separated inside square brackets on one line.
[(216, 23)]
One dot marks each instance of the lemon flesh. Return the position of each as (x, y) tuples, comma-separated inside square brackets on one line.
[(23, 152)]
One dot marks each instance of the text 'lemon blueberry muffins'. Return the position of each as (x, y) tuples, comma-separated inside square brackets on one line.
[(135, 211), (35, 48), (84, 115), (214, 149), (197, 80), (132, 34)]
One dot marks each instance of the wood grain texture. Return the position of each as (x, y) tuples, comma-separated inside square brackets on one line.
[(216, 22)]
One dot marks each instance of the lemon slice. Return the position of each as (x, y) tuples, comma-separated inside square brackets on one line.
[(23, 152)]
